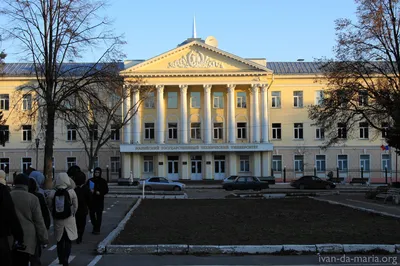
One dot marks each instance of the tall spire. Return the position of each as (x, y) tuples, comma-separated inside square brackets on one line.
[(194, 33)]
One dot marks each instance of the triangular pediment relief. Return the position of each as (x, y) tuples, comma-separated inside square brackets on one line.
[(196, 57)]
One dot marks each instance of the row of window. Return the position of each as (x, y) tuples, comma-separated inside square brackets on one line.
[(5, 102), (70, 161), (320, 162)]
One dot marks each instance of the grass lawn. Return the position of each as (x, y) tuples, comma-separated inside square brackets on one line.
[(255, 222)]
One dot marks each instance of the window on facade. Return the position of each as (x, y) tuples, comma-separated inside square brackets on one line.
[(114, 132), (342, 162), (148, 130), (195, 99), (27, 133), (276, 131), (275, 99), (115, 164), (96, 162), (70, 102), (298, 99), (93, 132), (364, 132), (5, 164), (27, 102), (218, 131), (385, 129), (149, 101), (241, 100), (363, 98), (4, 102), (342, 130), (364, 162), (71, 133), (277, 163), (5, 131), (319, 133), (298, 163), (114, 101), (320, 163), (26, 163), (195, 130), (244, 163), (386, 164), (298, 130), (148, 164), (319, 97), (71, 161), (172, 130), (241, 130), (172, 99), (218, 100)]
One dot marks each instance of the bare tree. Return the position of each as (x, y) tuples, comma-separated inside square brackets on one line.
[(99, 118), (363, 80), (51, 34)]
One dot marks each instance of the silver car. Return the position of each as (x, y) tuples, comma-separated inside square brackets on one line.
[(160, 183), (229, 179)]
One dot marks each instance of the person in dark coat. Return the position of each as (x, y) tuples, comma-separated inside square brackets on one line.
[(99, 188), (9, 226), (84, 196), (73, 171)]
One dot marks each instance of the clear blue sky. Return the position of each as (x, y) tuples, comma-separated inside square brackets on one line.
[(278, 30)]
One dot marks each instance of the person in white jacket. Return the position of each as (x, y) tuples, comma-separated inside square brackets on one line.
[(65, 230)]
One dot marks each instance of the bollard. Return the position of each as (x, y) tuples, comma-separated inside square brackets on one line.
[(315, 171), (362, 173), (284, 174), (54, 172), (144, 184), (386, 175), (108, 174)]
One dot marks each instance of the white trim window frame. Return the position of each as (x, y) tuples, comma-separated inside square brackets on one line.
[(71, 133), (172, 130), (195, 99), (70, 161), (241, 130), (386, 162), (149, 101), (241, 100), (299, 163), (298, 131), (26, 162), (27, 133), (343, 162), (244, 163), (298, 99), (275, 99), (320, 162), (365, 162), (364, 130), (276, 131), (195, 130), (218, 130), (115, 163), (342, 131), (148, 164), (218, 100), (320, 133), (4, 102), (27, 102), (319, 97), (148, 131), (277, 163)]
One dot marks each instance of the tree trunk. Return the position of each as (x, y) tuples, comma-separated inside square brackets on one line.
[(48, 150)]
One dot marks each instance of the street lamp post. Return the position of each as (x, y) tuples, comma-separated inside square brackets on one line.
[(37, 141)]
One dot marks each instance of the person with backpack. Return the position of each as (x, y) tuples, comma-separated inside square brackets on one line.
[(63, 204), (99, 188), (84, 197)]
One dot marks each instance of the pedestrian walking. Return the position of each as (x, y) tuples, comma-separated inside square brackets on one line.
[(39, 177), (84, 197), (3, 179), (99, 188), (10, 227), (27, 207), (63, 204)]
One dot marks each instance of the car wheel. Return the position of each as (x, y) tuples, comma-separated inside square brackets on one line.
[(328, 187), (302, 186), (148, 188), (177, 188)]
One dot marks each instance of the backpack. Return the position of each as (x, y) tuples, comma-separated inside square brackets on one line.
[(62, 204)]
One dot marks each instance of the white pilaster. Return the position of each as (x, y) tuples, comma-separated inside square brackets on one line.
[(266, 163), (160, 129), (264, 113), (126, 165), (185, 167), (232, 163), (231, 114), (209, 166), (207, 114), (136, 118), (256, 164), (255, 115), (126, 110), (137, 162), (161, 165), (184, 115)]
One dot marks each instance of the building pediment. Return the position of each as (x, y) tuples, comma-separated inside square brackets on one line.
[(196, 58)]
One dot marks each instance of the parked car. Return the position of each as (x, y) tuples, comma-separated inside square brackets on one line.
[(229, 179), (160, 183), (312, 182), (269, 179), (244, 183)]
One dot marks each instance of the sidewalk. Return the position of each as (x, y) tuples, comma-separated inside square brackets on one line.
[(82, 254)]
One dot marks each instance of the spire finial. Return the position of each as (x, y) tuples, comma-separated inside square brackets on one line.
[(194, 34)]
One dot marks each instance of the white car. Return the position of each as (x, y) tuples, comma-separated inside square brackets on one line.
[(160, 183)]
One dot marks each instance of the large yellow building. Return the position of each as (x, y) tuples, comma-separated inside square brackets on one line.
[(212, 114)]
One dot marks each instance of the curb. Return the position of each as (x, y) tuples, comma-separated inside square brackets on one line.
[(147, 196), (252, 249), (359, 208), (101, 247)]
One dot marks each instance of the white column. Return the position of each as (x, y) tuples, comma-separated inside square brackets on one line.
[(184, 115), (256, 164), (126, 165), (136, 118), (255, 118), (231, 114), (207, 114), (137, 163), (160, 129), (264, 113), (266, 163), (126, 109)]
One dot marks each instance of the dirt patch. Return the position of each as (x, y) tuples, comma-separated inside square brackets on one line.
[(255, 222)]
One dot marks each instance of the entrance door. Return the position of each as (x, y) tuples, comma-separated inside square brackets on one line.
[(219, 167), (173, 168), (196, 168)]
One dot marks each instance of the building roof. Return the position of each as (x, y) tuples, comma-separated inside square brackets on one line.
[(292, 68)]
